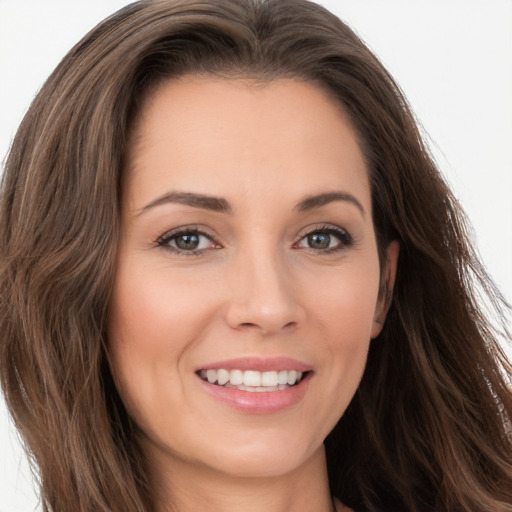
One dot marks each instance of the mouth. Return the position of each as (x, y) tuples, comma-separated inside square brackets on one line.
[(253, 380)]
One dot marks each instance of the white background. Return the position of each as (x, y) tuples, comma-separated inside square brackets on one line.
[(453, 59)]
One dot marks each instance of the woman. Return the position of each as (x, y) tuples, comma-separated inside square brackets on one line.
[(224, 242)]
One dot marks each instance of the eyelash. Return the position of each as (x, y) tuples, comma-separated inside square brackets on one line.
[(345, 240), (165, 240)]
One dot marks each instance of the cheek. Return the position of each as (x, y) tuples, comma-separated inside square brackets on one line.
[(344, 316), (153, 312), (347, 302), (154, 324)]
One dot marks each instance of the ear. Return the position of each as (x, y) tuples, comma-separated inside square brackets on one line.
[(386, 288)]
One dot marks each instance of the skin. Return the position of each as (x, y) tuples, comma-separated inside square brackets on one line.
[(255, 288)]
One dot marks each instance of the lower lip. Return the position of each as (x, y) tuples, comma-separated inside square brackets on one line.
[(264, 402)]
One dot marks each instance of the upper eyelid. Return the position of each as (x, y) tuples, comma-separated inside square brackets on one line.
[(322, 227), (195, 228)]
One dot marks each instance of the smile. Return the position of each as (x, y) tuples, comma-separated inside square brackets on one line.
[(252, 380), (256, 385)]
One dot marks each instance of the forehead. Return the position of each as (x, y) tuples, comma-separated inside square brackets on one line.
[(220, 136)]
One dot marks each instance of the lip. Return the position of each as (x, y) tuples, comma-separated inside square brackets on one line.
[(265, 402), (259, 364)]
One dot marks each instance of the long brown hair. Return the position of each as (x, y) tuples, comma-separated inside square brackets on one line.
[(429, 427)]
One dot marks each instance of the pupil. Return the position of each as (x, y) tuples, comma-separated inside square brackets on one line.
[(319, 240), (187, 242)]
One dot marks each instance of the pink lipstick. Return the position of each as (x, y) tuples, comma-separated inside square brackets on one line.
[(256, 385)]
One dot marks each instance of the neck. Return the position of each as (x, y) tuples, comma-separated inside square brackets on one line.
[(185, 487)]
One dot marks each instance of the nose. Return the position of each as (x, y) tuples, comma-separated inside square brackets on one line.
[(263, 295)]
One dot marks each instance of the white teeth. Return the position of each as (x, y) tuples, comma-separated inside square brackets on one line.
[(292, 377), (222, 377), (252, 380), (260, 388), (282, 377), (236, 377), (269, 379)]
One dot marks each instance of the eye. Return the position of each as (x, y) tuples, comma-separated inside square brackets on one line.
[(191, 241), (326, 239)]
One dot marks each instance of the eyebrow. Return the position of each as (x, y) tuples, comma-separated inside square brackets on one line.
[(216, 204), (317, 201), (219, 204)]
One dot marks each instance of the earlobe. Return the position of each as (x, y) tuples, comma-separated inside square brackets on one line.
[(386, 288)]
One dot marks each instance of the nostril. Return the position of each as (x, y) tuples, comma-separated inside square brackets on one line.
[(252, 326), (249, 325)]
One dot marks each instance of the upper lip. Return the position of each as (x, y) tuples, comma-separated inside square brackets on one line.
[(261, 364)]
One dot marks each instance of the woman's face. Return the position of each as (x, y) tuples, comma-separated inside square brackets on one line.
[(247, 258)]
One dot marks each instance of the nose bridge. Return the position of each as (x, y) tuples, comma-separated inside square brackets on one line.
[(263, 295)]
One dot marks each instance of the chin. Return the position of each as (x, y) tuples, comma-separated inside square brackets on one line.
[(255, 454), (266, 463)]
